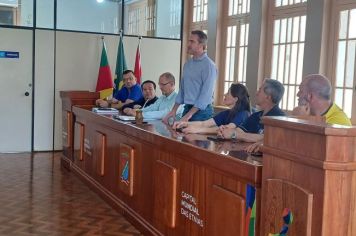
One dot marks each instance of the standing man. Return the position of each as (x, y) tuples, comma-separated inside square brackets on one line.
[(197, 84)]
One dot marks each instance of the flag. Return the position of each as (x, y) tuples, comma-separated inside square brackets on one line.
[(104, 85), (120, 66), (138, 69)]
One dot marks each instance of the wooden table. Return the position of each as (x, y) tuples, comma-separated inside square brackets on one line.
[(164, 182)]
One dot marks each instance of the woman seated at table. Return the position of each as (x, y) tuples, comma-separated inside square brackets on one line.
[(237, 99)]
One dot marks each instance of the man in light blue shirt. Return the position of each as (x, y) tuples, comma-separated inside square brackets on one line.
[(164, 103), (198, 82)]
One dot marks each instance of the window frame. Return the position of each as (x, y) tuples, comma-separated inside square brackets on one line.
[(337, 8), (276, 13)]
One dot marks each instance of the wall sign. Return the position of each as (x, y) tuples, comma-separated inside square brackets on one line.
[(8, 54)]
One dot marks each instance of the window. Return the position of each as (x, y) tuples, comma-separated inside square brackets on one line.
[(199, 17), (45, 14), (344, 61), (236, 27), (149, 18), (92, 17), (287, 51), (15, 12)]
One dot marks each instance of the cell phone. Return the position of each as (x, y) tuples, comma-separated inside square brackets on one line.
[(256, 154), (180, 129), (216, 138), (134, 122)]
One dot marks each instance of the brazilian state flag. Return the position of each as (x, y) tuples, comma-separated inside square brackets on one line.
[(105, 84)]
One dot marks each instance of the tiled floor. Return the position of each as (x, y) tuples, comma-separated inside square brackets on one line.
[(36, 198)]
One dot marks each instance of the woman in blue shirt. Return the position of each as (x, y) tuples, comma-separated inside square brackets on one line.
[(237, 99)]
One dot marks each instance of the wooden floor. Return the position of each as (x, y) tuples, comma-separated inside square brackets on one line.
[(36, 198)]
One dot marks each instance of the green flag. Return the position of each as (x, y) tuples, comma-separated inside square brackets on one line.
[(120, 66)]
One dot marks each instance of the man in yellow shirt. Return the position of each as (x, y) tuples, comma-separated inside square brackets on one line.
[(314, 98)]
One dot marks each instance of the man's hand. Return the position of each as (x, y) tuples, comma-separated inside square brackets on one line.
[(101, 103), (255, 147), (226, 132), (129, 111), (301, 110), (180, 124), (170, 115)]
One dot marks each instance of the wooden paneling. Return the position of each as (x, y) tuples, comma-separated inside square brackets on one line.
[(79, 144), (165, 194), (100, 148), (166, 190), (232, 218), (281, 195), (308, 167)]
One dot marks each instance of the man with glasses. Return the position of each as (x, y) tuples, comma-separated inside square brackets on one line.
[(164, 103), (197, 84)]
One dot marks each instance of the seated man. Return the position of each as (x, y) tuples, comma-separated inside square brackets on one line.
[(164, 103), (130, 92), (251, 130), (314, 98), (149, 96)]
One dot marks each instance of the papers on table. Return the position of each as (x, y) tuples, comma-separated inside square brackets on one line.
[(125, 118), (105, 110)]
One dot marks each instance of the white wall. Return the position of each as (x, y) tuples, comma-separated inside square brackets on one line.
[(44, 86)]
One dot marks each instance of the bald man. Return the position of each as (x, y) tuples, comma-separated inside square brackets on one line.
[(314, 98)]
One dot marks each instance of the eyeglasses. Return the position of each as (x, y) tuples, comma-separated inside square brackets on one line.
[(163, 84)]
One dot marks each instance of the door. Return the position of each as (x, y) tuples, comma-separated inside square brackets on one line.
[(16, 91)]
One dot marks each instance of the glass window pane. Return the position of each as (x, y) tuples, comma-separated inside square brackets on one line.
[(350, 64), (348, 102), (283, 30), (281, 62), (241, 64), (278, 3), (343, 24), (295, 28), (45, 14), (276, 31), (15, 12), (340, 64), (242, 35), (274, 62), (233, 36), (149, 18), (300, 63), (291, 96), (289, 31), (293, 62), (302, 27), (287, 64), (93, 16), (339, 95), (352, 28)]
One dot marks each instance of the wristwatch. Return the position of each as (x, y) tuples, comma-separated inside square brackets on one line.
[(234, 135)]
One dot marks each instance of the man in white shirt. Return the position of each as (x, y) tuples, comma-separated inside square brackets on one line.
[(164, 103)]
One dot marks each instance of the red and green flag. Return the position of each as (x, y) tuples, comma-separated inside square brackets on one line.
[(138, 69), (120, 65), (104, 85)]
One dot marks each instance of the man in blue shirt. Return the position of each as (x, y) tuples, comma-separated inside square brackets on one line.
[(130, 92), (268, 97), (197, 84)]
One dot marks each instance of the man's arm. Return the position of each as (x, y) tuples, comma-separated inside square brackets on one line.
[(170, 114), (239, 134)]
